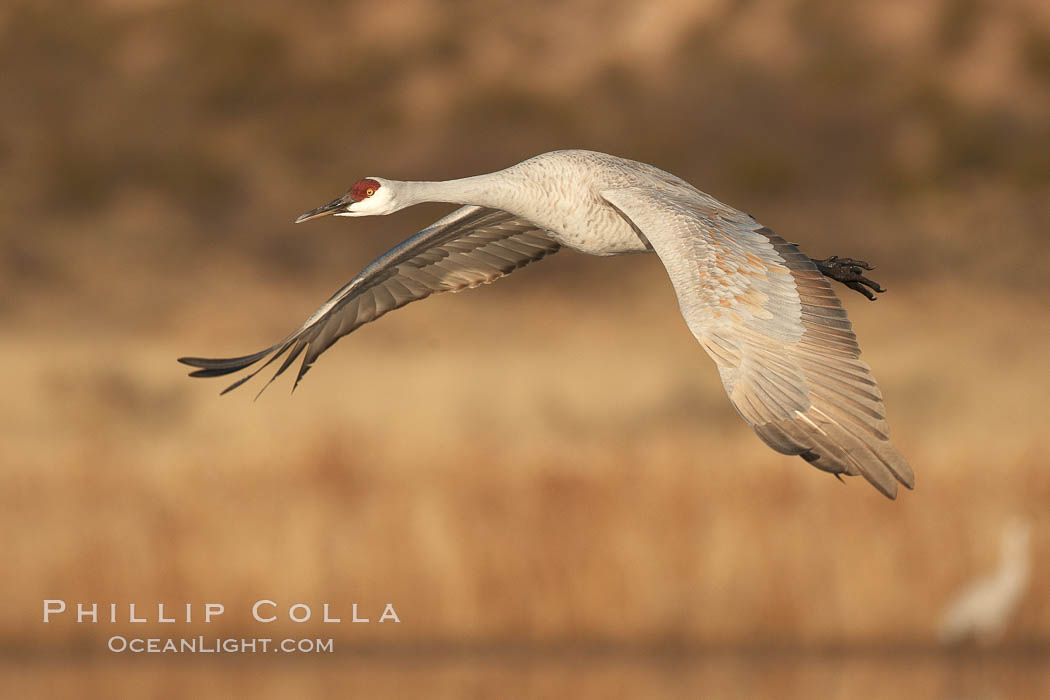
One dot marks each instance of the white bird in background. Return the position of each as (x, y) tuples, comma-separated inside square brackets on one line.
[(982, 610), (761, 309)]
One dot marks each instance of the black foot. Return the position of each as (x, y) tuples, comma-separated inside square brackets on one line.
[(850, 272)]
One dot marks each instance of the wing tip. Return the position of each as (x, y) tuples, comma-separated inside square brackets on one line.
[(207, 368), (231, 364), (832, 449)]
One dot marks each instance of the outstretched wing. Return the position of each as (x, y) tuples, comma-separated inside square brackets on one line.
[(784, 348), (471, 246)]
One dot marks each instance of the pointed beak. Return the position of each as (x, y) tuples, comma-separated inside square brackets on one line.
[(336, 206)]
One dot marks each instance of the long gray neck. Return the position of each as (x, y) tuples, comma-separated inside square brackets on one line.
[(484, 190)]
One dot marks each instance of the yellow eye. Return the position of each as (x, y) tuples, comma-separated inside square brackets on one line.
[(370, 191)]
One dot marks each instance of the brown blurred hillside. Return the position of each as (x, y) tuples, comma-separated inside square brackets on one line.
[(547, 468), (173, 136)]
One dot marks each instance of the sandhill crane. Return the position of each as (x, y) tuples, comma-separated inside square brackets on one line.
[(762, 310), (982, 609)]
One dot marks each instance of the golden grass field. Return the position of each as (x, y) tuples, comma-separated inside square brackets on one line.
[(543, 476), (514, 471)]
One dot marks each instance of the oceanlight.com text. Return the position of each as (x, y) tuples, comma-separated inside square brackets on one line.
[(218, 645)]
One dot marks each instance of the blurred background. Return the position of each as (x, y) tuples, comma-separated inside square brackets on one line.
[(543, 476)]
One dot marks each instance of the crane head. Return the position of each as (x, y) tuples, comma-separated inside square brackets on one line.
[(367, 197)]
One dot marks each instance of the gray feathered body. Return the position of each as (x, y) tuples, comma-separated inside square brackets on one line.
[(561, 191)]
